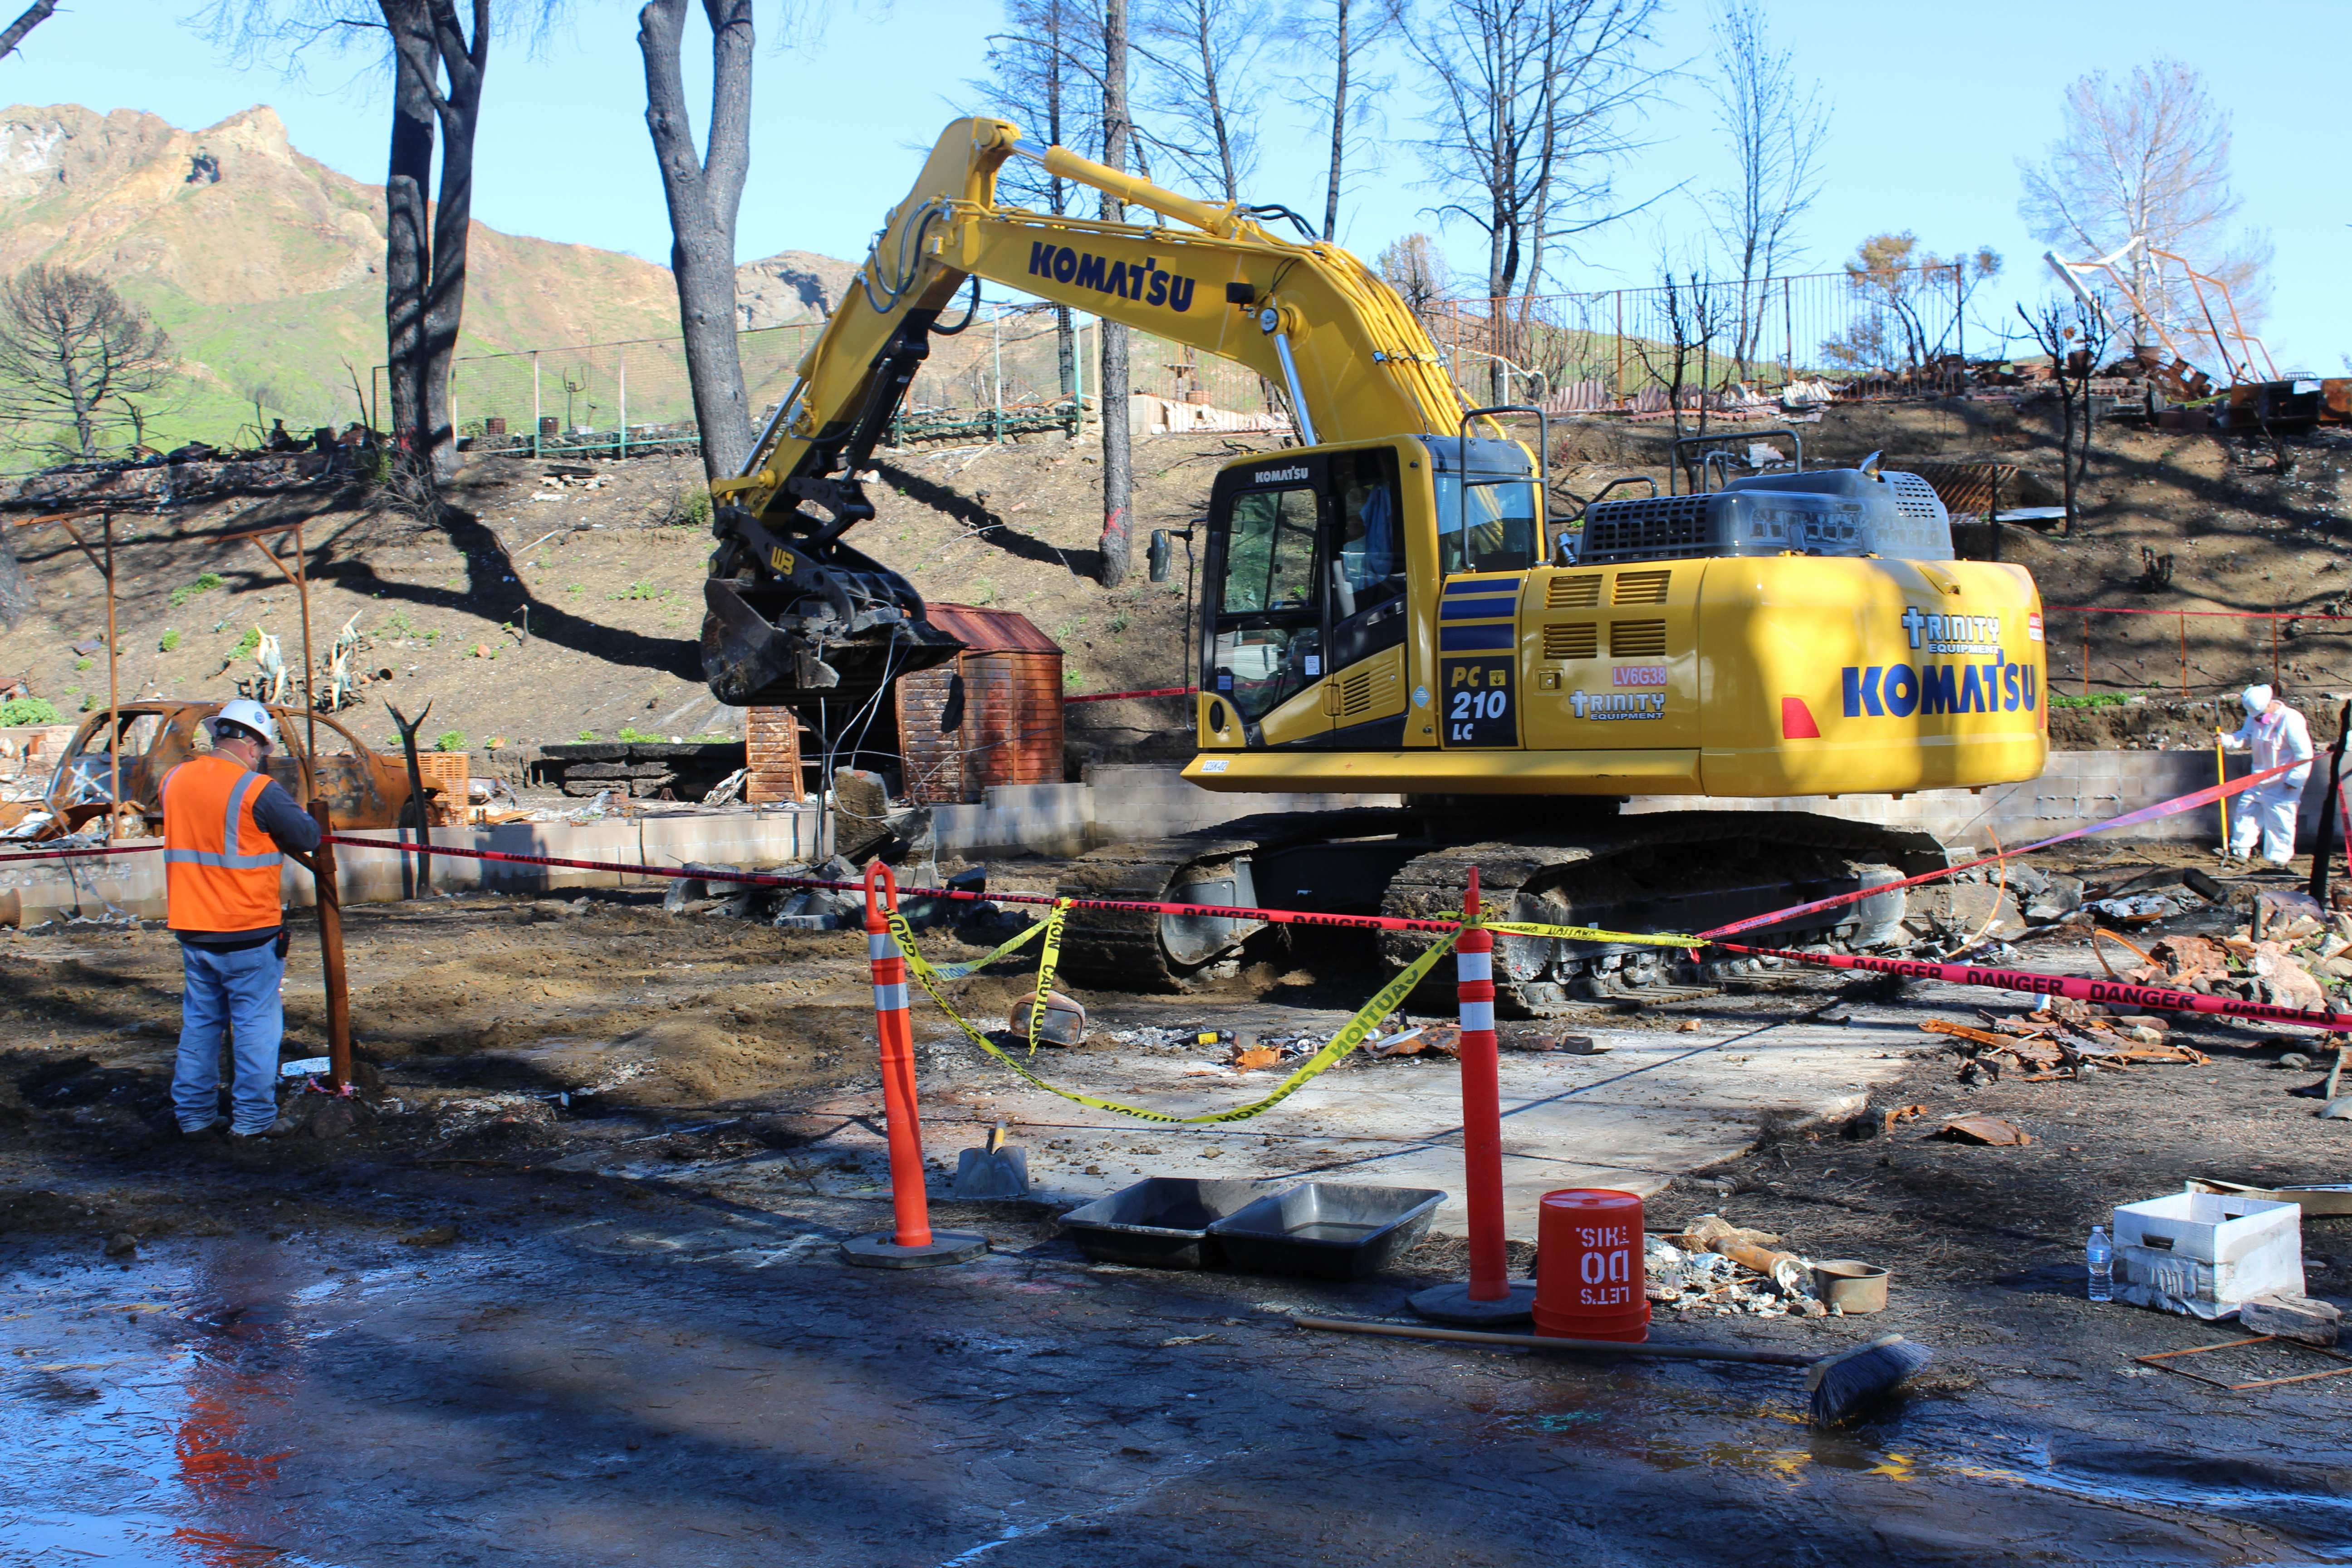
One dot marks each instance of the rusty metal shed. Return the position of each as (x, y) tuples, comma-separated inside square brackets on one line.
[(991, 717)]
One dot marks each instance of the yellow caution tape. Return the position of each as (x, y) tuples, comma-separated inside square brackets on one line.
[(1589, 934), (967, 968), (1352, 1034), (1572, 933), (1046, 963)]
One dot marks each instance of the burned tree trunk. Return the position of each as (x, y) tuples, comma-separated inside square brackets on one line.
[(705, 192), (424, 282), (17, 597), (408, 246), (1118, 436)]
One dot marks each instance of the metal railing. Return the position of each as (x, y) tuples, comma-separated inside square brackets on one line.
[(1902, 330)]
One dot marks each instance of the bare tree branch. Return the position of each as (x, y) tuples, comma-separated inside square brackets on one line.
[(34, 15), (70, 346), (2147, 158), (1773, 126), (1528, 102)]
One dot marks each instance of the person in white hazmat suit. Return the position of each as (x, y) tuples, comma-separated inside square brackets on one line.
[(2276, 734)]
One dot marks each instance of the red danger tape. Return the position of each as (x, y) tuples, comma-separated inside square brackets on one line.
[(2179, 803), (758, 880), (2161, 998), (80, 854)]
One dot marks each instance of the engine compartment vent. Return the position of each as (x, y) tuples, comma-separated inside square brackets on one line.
[(1653, 527)]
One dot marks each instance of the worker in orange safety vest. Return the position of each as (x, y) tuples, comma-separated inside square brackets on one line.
[(227, 827)]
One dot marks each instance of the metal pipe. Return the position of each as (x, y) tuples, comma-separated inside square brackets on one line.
[(1306, 421), (310, 673), (113, 691), (330, 947)]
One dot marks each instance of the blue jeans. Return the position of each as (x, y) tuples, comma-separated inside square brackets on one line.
[(234, 994)]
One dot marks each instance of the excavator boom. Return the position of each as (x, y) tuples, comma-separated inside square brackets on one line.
[(796, 614)]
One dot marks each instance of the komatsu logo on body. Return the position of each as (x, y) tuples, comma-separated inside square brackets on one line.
[(1989, 682), (1277, 475), (1144, 280), (1898, 690)]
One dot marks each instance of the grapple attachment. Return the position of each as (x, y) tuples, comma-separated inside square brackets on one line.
[(827, 635)]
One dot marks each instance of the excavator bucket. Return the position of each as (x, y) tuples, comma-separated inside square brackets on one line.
[(749, 659)]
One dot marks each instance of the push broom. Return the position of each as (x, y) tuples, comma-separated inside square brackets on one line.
[(1840, 1384)]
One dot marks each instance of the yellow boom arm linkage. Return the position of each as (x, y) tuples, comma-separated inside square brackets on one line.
[(795, 615)]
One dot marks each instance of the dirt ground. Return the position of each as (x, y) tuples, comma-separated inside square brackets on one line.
[(614, 1326), (603, 571)]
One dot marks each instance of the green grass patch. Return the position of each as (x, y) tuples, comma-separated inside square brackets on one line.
[(2100, 700), (450, 741), (169, 641), (187, 591), (631, 732), (29, 710), (247, 642)]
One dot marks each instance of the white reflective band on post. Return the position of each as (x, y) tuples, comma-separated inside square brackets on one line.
[(1477, 1016), (893, 998), (880, 944), (1473, 965)]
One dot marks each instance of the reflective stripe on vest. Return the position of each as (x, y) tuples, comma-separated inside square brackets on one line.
[(213, 881), (246, 789)]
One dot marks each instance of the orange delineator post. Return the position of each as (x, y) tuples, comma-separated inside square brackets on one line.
[(1489, 1297), (1482, 1103), (913, 1244), (896, 1033)]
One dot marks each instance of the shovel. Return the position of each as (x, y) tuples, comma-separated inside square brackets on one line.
[(992, 1171)]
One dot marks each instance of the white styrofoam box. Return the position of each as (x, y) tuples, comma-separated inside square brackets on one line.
[(2203, 1253)]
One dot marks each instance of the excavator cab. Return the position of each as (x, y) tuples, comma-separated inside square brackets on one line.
[(1307, 574)]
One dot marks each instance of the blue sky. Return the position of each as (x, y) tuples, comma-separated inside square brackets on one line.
[(1932, 106)]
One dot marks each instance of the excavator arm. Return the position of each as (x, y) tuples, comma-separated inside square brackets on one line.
[(794, 614)]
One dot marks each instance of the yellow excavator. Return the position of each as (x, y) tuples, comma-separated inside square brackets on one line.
[(1390, 606)]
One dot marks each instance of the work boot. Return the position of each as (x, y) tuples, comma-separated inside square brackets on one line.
[(210, 1132)]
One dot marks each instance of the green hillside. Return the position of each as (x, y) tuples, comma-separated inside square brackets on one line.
[(271, 276)]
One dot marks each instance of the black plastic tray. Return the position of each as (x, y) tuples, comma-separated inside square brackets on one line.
[(1161, 1221), (1326, 1230)]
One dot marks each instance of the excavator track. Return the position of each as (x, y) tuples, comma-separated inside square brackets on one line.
[(1664, 872), (1141, 950), (1678, 871)]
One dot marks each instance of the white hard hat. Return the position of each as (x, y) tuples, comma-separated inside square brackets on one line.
[(2256, 698), (246, 714)]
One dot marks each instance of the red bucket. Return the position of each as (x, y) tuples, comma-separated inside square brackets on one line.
[(1588, 1267)]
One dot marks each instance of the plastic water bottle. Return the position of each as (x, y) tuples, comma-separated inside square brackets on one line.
[(2101, 1257)]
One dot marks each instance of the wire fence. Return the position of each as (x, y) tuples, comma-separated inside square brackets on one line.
[(1021, 368), (2111, 654), (1900, 331), (1013, 370)]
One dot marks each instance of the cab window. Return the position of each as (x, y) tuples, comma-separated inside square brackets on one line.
[(1485, 525), (1268, 642)]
